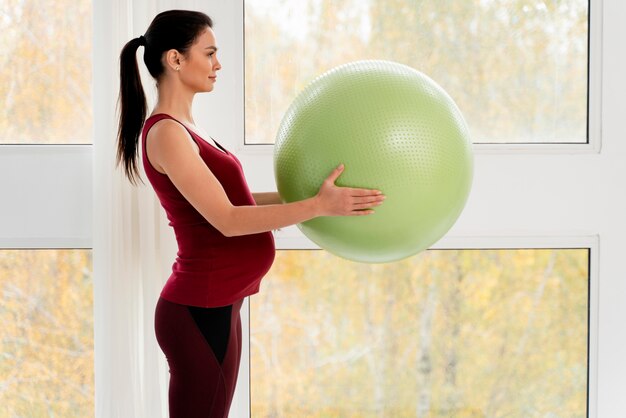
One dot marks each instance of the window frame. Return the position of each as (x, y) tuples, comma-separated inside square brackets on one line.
[(594, 105), (56, 182), (257, 160), (241, 406)]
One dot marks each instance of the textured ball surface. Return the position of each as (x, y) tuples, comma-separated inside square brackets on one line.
[(395, 130)]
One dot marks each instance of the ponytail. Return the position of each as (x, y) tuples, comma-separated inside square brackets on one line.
[(171, 29), (132, 111)]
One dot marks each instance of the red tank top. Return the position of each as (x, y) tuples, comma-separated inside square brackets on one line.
[(210, 269)]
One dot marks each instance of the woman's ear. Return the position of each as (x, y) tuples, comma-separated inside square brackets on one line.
[(173, 59)]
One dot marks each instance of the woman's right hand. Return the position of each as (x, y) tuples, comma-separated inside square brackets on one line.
[(346, 201)]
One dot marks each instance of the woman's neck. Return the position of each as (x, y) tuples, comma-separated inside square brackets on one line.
[(175, 101)]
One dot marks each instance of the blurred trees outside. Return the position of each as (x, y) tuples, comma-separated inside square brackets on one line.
[(445, 333), (517, 69), (46, 336), (45, 72)]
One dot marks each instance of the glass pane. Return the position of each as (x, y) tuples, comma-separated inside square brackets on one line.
[(45, 68), (516, 68), (446, 333), (46, 333)]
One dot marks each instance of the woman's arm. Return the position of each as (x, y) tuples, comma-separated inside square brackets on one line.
[(170, 147), (267, 198)]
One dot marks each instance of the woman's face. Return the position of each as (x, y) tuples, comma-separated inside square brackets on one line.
[(198, 69)]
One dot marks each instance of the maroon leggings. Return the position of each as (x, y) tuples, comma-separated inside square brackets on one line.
[(203, 349)]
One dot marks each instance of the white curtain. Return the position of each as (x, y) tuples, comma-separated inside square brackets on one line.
[(133, 247)]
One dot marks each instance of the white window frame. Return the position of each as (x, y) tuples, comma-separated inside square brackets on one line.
[(525, 174), (524, 196)]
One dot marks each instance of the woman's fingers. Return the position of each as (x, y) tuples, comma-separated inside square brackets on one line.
[(349, 200), (366, 201), (364, 205), (335, 174), (369, 199), (362, 201), (362, 212), (332, 177), (363, 192), (369, 204)]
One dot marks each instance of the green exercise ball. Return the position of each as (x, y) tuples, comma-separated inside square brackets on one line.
[(395, 130)]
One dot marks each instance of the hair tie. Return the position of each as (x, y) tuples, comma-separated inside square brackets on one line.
[(142, 40)]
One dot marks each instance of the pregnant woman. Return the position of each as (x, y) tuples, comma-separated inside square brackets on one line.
[(223, 231)]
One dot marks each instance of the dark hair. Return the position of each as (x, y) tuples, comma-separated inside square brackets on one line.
[(173, 29)]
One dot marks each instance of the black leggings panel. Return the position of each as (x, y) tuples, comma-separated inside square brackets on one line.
[(214, 323)]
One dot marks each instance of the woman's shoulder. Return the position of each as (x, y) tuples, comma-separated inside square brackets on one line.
[(164, 129), (156, 117), (168, 137)]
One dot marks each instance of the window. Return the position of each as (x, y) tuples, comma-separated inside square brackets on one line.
[(46, 302), (46, 337), (516, 69), (45, 68), (445, 333), (519, 72)]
